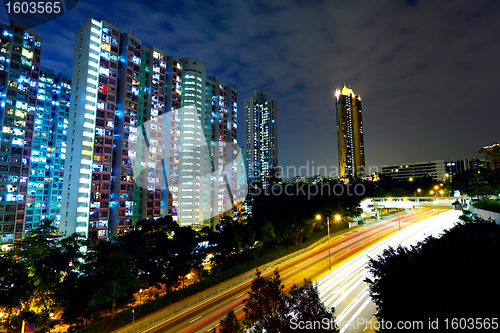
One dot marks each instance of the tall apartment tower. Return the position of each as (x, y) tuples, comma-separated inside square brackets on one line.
[(120, 86), (350, 134), (261, 136), (138, 124), (202, 143), (222, 109), (33, 116)]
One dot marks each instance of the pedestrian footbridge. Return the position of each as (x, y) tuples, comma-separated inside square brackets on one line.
[(373, 206)]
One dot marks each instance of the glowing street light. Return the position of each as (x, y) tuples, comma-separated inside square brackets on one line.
[(337, 218), (140, 296), (411, 179)]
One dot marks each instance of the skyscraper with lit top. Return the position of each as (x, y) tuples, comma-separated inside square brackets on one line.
[(350, 134)]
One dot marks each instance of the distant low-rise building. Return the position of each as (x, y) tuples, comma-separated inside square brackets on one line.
[(457, 167), (434, 169)]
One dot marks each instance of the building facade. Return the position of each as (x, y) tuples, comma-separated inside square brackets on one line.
[(261, 136), (434, 169), (33, 112), (120, 86), (141, 138), (350, 134)]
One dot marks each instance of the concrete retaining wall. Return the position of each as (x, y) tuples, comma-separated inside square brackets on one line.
[(486, 215)]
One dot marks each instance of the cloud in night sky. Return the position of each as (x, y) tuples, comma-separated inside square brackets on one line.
[(427, 71)]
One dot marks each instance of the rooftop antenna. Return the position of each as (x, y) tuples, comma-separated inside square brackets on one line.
[(108, 19), (132, 32)]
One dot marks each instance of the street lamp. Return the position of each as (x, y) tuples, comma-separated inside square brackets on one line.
[(140, 296), (337, 218)]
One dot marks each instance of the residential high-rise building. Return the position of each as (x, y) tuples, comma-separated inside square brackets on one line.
[(261, 136), (48, 150), (202, 145), (350, 134), (141, 130), (120, 85), (222, 108), (34, 107)]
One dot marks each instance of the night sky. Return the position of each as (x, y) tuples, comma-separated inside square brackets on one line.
[(428, 72)]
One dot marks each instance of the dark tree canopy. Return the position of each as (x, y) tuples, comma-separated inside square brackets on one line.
[(455, 276), (268, 308)]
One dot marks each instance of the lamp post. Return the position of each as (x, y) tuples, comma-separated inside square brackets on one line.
[(337, 218), (140, 296), (133, 319), (328, 224)]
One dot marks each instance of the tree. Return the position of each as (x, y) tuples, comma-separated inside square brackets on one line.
[(16, 287), (188, 254), (440, 278), (230, 324), (114, 273), (268, 308), (33, 273), (305, 304), (264, 298)]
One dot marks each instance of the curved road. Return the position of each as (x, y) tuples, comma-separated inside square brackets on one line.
[(206, 315)]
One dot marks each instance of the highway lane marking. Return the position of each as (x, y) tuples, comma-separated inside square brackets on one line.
[(352, 304), (303, 263), (356, 314), (240, 295), (312, 268), (288, 283), (195, 319)]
